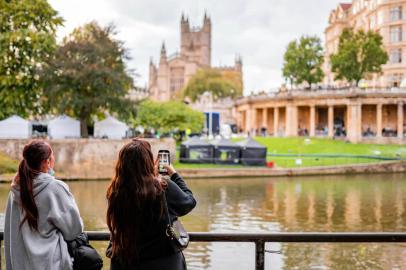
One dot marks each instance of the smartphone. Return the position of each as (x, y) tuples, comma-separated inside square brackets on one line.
[(164, 158)]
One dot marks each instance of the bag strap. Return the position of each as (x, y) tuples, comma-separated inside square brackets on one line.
[(167, 217)]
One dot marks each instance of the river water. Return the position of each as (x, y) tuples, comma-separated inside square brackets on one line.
[(299, 204)]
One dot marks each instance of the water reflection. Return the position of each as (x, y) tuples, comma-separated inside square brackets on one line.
[(350, 203)]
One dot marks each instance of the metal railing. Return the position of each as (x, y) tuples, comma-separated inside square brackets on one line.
[(259, 239)]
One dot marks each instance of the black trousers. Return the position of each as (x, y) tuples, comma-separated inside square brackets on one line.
[(172, 262)]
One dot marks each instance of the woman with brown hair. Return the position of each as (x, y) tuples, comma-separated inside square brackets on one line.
[(135, 213), (41, 214)]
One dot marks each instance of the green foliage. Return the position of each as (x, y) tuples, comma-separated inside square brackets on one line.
[(303, 60), (88, 76), (27, 39), (359, 55), (222, 84), (7, 165), (169, 116)]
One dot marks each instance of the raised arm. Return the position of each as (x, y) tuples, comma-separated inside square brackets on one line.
[(178, 196)]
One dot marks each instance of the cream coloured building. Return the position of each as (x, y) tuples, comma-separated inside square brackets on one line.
[(388, 17), (174, 71), (377, 116)]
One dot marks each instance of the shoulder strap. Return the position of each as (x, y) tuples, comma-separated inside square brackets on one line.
[(167, 217)]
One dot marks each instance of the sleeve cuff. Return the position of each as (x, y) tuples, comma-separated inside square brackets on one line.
[(174, 176)]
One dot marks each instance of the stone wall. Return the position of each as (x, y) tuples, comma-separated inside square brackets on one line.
[(376, 168), (85, 158)]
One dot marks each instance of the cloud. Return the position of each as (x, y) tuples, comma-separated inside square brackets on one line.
[(259, 30)]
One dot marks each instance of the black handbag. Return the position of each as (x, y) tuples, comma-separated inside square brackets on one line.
[(176, 233), (85, 257)]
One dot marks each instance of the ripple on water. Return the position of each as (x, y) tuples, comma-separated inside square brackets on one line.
[(338, 203)]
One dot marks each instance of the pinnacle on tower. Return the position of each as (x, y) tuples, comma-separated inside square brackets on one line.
[(184, 19), (163, 49), (163, 53), (238, 59), (184, 23), (206, 19)]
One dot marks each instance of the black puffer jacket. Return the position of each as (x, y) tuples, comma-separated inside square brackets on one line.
[(85, 257), (153, 243)]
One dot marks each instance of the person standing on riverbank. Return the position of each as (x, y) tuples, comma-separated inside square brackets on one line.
[(136, 215), (41, 214)]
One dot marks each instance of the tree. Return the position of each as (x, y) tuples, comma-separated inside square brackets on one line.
[(222, 84), (359, 54), (169, 116), (303, 60), (27, 39), (88, 76)]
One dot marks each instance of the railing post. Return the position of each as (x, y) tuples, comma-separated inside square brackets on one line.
[(259, 255)]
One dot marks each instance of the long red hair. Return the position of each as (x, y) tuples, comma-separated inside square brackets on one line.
[(134, 196), (34, 153)]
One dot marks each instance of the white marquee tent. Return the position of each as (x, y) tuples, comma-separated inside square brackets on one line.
[(63, 127), (110, 128), (15, 127)]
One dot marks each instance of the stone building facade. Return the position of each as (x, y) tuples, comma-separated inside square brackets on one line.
[(174, 71), (355, 114), (387, 17)]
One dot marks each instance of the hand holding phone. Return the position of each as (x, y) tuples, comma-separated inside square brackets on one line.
[(164, 159)]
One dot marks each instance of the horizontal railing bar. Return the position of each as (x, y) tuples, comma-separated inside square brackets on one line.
[(310, 237), (299, 237), (354, 237)]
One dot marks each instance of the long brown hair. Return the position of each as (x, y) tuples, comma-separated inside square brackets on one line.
[(133, 197), (34, 153)]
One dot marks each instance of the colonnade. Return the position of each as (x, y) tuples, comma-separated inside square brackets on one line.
[(353, 120)]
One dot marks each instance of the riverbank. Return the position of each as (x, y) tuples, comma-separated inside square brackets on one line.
[(381, 167), (253, 172)]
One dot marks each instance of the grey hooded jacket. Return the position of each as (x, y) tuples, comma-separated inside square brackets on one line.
[(58, 220)]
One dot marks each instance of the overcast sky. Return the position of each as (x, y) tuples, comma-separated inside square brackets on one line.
[(258, 30)]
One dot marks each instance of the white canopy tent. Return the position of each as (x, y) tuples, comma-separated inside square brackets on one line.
[(63, 127), (15, 127), (110, 128)]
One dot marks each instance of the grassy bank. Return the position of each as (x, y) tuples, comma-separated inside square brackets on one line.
[(7, 165), (303, 146)]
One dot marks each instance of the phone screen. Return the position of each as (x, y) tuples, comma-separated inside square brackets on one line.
[(163, 159)]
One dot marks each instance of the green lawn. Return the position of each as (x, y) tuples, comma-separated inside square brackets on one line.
[(328, 146), (7, 165), (301, 146)]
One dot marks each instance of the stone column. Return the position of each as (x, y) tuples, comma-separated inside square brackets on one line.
[(248, 120), (400, 120), (275, 121), (312, 121), (291, 120), (354, 122), (265, 118), (378, 120), (330, 121), (253, 121)]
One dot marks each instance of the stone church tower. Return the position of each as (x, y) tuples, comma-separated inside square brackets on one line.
[(195, 43), (174, 71)]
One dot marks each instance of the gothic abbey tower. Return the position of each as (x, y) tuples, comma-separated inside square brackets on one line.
[(174, 71)]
